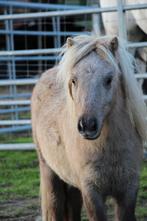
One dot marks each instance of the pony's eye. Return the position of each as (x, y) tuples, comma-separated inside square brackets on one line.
[(72, 86), (108, 81), (73, 81)]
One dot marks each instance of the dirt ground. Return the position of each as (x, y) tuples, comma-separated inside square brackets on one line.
[(20, 210)]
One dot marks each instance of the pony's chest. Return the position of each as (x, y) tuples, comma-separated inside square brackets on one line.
[(116, 171)]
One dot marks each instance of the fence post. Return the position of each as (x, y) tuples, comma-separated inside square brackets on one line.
[(96, 18), (121, 19)]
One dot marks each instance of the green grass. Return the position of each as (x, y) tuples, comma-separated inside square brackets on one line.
[(19, 175), (15, 139), (19, 179), (142, 195)]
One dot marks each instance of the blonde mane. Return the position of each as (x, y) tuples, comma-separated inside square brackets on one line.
[(82, 45)]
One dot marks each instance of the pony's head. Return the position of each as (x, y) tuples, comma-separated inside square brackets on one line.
[(90, 70)]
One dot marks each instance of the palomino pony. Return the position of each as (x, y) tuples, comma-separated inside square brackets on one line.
[(88, 120)]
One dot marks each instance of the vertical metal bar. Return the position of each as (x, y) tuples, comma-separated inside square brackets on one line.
[(9, 62), (40, 44), (96, 20), (96, 24), (121, 20), (58, 31), (7, 49), (54, 30), (13, 75)]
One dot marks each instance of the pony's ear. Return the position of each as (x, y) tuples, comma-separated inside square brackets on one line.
[(113, 45), (69, 42)]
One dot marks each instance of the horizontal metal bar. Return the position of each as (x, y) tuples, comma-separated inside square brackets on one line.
[(15, 129), (24, 146), (31, 58), (18, 82), (14, 122), (14, 102), (134, 7), (55, 50), (30, 146), (137, 45), (145, 97), (34, 81), (142, 76), (12, 96), (46, 6), (28, 102), (40, 33), (30, 52), (90, 10), (18, 109)]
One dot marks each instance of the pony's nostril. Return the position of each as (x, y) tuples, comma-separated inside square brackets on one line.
[(92, 125), (87, 125), (81, 125)]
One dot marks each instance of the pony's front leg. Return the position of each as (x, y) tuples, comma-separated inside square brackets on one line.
[(94, 204), (73, 204), (125, 206), (52, 194)]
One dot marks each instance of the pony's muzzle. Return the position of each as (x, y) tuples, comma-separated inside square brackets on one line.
[(88, 127)]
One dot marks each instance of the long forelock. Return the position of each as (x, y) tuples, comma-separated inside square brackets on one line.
[(83, 45)]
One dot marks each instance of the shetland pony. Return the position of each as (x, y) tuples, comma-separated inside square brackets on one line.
[(88, 120)]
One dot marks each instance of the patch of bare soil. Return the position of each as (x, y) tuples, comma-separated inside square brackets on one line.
[(20, 210)]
